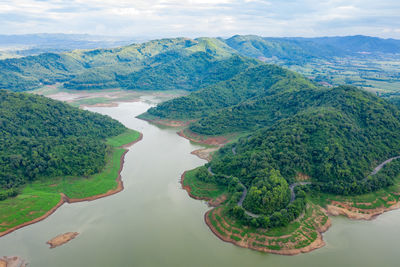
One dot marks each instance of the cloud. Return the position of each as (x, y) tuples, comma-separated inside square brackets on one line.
[(192, 18)]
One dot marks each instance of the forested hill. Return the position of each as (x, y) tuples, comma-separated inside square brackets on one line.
[(165, 64), (301, 50), (40, 137), (337, 139), (178, 63), (334, 135), (252, 99)]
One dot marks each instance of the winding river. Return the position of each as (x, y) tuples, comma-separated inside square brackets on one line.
[(153, 222)]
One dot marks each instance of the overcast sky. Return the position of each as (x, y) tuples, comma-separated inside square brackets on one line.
[(193, 18)]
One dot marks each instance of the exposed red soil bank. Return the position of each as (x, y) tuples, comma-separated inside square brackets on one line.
[(250, 243), (170, 123), (340, 208), (216, 141), (65, 199)]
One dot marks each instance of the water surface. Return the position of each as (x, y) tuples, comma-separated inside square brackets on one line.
[(153, 222)]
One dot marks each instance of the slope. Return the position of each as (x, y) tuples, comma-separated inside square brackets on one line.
[(178, 63), (43, 138)]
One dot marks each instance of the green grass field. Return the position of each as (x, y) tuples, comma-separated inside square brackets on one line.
[(201, 189), (123, 139), (42, 195)]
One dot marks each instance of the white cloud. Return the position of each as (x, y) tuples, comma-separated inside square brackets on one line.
[(165, 18)]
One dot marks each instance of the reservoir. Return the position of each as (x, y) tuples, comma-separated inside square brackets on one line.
[(153, 222)]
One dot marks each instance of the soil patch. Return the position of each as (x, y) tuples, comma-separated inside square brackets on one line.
[(215, 141), (205, 153), (340, 208)]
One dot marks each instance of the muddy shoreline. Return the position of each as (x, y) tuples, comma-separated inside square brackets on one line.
[(356, 213), (215, 141), (65, 199), (169, 123)]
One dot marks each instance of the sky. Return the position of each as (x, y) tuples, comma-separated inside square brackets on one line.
[(194, 18)]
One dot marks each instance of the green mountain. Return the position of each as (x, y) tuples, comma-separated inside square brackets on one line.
[(337, 138), (301, 50), (249, 100), (40, 137), (179, 63), (187, 64), (334, 135)]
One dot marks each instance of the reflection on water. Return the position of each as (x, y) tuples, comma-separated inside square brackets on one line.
[(153, 222)]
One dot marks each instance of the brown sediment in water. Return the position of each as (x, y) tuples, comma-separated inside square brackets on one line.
[(65, 199), (62, 239), (12, 262)]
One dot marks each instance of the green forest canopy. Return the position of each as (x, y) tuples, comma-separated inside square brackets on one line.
[(334, 135), (40, 137), (180, 63)]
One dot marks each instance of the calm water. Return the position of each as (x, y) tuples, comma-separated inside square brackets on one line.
[(153, 222)]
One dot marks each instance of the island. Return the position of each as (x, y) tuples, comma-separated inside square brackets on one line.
[(62, 239)]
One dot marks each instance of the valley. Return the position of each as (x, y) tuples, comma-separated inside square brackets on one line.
[(110, 224), (282, 149)]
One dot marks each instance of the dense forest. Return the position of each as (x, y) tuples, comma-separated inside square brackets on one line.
[(166, 64), (182, 63), (337, 143), (40, 137), (292, 128)]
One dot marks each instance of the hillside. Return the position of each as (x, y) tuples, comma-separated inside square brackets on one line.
[(334, 135), (337, 141), (40, 137), (165, 64), (247, 101), (301, 50), (328, 139), (192, 64)]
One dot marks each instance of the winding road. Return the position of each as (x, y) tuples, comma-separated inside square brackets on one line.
[(244, 194), (292, 186), (380, 166)]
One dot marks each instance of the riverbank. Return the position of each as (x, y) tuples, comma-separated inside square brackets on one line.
[(42, 195), (214, 195), (301, 236), (205, 140), (345, 209)]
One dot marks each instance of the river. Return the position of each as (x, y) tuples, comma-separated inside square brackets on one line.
[(153, 222)]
